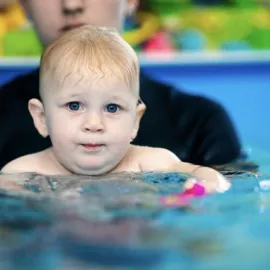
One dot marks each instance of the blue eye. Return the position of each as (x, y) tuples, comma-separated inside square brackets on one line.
[(74, 106), (112, 108)]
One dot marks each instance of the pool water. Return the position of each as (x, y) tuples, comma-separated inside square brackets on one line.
[(117, 222), (260, 156)]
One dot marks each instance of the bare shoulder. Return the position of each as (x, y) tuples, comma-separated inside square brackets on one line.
[(155, 159), (158, 152), (27, 163)]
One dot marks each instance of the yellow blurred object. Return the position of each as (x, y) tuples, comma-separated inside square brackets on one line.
[(3, 27), (261, 18), (149, 25), (11, 18)]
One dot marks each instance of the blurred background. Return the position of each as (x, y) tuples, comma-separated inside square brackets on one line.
[(216, 48), (164, 26)]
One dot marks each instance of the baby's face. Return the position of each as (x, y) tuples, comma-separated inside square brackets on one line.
[(92, 123)]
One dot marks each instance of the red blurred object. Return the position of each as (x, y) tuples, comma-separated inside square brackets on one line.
[(184, 198), (159, 43)]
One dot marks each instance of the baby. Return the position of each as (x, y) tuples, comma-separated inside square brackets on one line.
[(91, 109)]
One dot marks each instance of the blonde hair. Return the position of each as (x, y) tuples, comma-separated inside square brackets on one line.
[(89, 50)]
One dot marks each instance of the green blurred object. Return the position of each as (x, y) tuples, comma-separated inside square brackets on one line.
[(161, 7), (137, 48), (260, 38), (246, 3), (21, 43)]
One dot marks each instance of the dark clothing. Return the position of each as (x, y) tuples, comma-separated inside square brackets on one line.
[(195, 128)]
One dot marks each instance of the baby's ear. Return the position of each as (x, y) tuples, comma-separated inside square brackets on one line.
[(36, 110), (140, 112)]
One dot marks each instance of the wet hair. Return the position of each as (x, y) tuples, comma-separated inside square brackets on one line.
[(89, 51)]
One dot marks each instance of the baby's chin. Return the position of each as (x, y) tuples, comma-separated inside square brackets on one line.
[(91, 170)]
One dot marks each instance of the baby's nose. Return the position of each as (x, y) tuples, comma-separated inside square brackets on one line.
[(93, 123)]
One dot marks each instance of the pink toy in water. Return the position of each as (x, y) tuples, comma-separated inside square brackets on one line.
[(182, 199), (159, 43)]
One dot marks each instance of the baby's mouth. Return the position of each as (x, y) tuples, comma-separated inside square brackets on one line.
[(92, 146)]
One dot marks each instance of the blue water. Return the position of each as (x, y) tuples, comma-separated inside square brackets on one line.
[(260, 156), (117, 222)]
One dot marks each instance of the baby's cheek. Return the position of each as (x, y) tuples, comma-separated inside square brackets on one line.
[(62, 124), (122, 128), (61, 132), (123, 136)]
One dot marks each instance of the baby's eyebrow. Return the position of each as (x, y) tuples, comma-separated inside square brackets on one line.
[(70, 95)]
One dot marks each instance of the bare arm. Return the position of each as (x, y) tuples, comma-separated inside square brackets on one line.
[(212, 179), (157, 159)]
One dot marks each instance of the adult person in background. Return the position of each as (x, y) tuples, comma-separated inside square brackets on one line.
[(196, 129)]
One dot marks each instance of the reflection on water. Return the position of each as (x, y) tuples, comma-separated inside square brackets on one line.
[(116, 222)]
